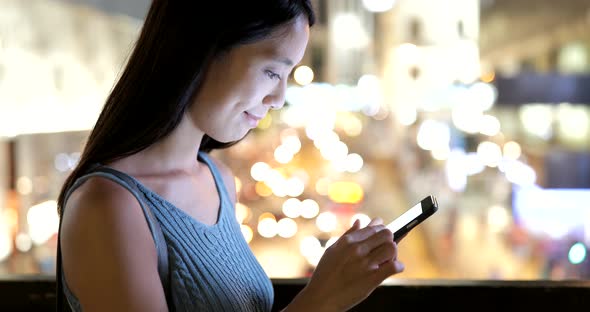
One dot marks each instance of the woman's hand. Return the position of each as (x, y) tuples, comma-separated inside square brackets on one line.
[(351, 269)]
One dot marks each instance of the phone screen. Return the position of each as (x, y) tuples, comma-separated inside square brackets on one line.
[(413, 216), (405, 218)]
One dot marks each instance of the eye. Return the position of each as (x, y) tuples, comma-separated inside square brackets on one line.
[(272, 75)]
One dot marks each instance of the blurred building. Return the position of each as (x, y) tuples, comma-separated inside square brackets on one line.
[(485, 106)]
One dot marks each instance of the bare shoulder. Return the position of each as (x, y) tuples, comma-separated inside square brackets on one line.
[(99, 196), (228, 177), (109, 257), (101, 201)]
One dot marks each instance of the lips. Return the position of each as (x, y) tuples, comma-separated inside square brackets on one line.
[(253, 119), (254, 116)]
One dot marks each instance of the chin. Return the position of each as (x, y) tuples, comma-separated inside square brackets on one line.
[(230, 138)]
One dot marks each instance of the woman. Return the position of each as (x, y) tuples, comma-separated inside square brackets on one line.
[(198, 79)]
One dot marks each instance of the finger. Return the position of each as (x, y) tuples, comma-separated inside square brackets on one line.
[(376, 221), (355, 226), (388, 269), (383, 237), (364, 233), (382, 254), (399, 266)]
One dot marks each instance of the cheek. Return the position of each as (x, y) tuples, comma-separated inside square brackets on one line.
[(251, 92), (260, 85), (233, 96)]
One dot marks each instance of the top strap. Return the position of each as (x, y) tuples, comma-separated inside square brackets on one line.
[(219, 182), (153, 224)]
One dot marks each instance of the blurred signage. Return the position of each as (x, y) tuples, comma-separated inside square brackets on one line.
[(552, 212), (531, 87)]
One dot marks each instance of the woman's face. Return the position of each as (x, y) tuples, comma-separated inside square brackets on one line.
[(242, 85)]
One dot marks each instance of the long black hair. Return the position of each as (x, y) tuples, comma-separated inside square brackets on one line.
[(165, 70)]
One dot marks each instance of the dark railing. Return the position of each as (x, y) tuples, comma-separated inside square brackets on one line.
[(37, 293)]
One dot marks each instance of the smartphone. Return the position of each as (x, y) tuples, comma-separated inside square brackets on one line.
[(414, 216)]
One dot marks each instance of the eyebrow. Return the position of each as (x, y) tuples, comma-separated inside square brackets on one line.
[(284, 60)]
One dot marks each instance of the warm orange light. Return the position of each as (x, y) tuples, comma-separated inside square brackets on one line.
[(488, 77), (265, 122), (345, 192), (266, 215), (262, 189), (11, 217), (238, 183), (247, 232), (242, 212)]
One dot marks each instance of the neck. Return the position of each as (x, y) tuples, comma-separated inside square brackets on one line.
[(177, 152)]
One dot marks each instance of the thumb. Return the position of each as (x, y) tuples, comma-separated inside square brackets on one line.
[(376, 221), (355, 226)]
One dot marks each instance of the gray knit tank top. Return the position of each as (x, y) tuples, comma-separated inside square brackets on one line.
[(211, 268)]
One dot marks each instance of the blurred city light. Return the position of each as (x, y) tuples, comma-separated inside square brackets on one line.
[(324, 138), (519, 173), (242, 212), (408, 54), (260, 171), (441, 153), (433, 135), (488, 77), (5, 242), (349, 123), (573, 121), (455, 171), (489, 126), (378, 5), (291, 143), (334, 150), (489, 153), (512, 150), (467, 117), (345, 192), (238, 183), (247, 232), (550, 212), (24, 185), (265, 122), (303, 75), (311, 248), (282, 154), (349, 33), (327, 221), (406, 115), (537, 120), (363, 219), (354, 162), (262, 189), (577, 253), (369, 91), (287, 228), (295, 187), (322, 185), (309, 208), (292, 208), (483, 95), (43, 221), (267, 227), (498, 218), (23, 242)]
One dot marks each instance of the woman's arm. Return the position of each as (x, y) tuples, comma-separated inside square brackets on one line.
[(109, 256), (350, 270)]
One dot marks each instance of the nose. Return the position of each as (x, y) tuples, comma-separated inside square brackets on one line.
[(276, 98)]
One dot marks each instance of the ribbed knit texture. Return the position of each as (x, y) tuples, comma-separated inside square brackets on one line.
[(211, 267)]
